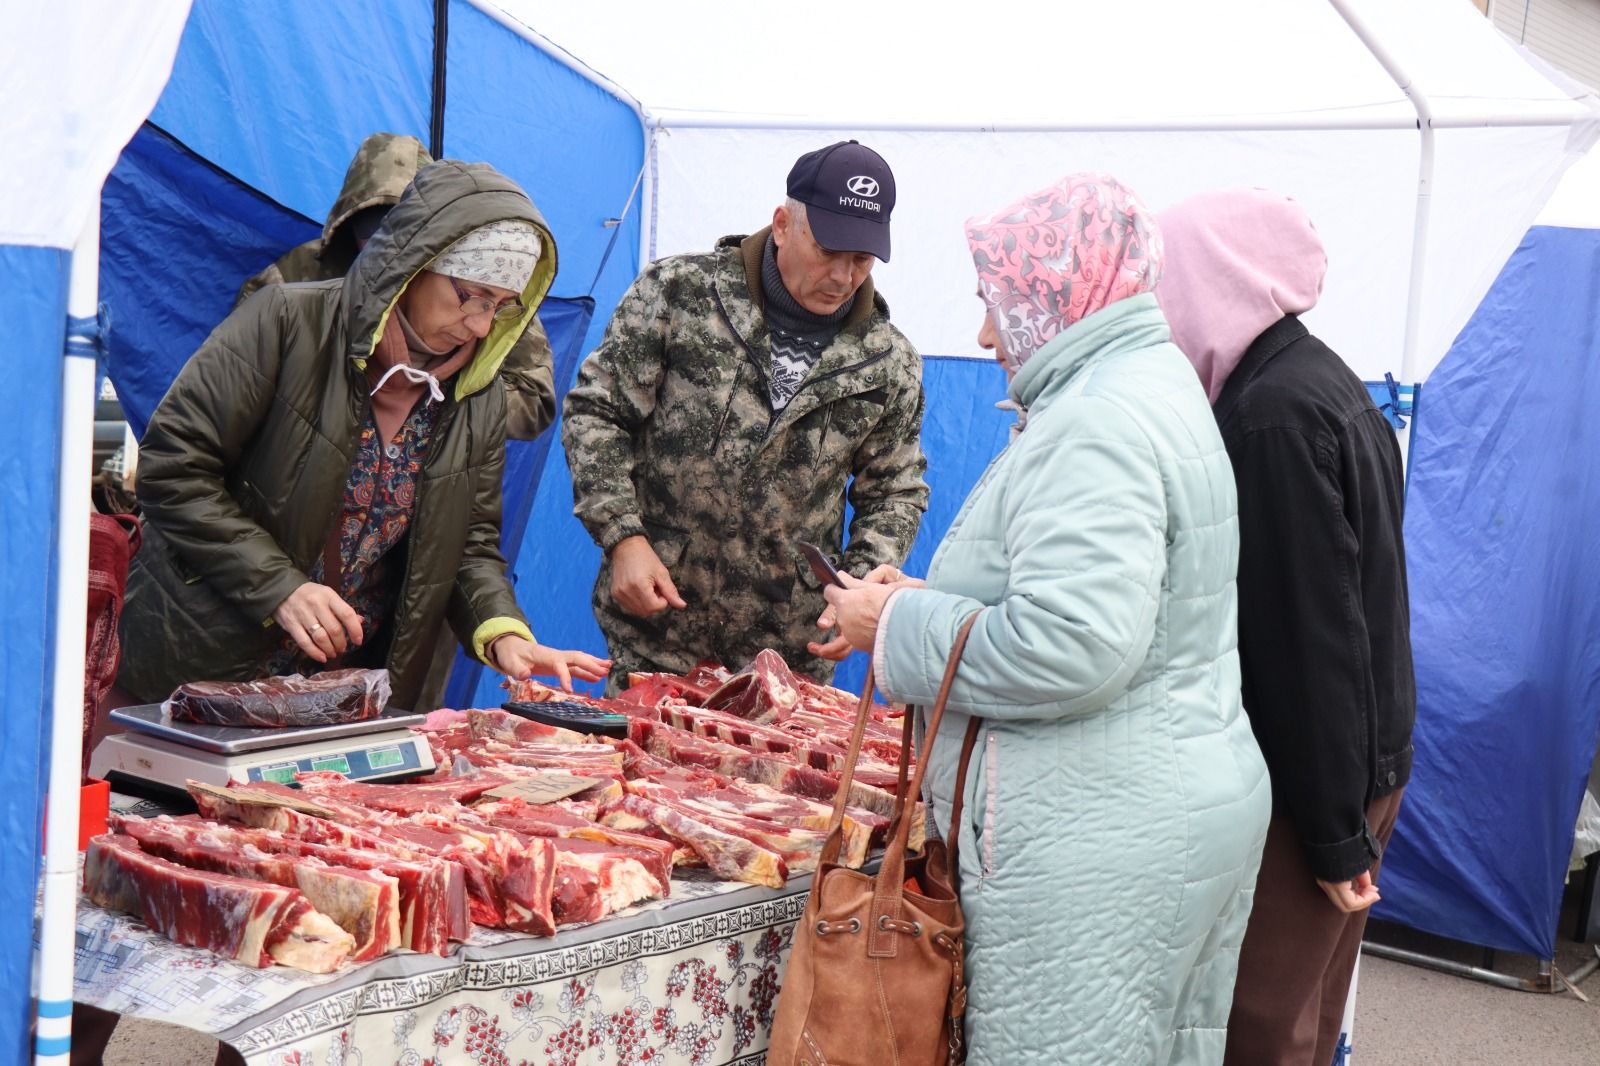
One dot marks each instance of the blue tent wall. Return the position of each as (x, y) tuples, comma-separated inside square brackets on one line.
[(178, 237), (576, 149), (961, 432), (566, 321), (1501, 513), (280, 94), (34, 307), (246, 149)]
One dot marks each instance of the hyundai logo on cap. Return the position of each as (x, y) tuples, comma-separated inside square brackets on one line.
[(862, 185), (848, 191)]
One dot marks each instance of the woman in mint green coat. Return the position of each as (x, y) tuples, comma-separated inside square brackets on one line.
[(1117, 802)]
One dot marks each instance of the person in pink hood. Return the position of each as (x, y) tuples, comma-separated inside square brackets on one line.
[(1324, 631)]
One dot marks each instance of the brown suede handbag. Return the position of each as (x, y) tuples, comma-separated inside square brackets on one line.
[(876, 977)]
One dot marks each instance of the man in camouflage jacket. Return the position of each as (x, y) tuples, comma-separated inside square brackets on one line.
[(706, 439), (382, 168)]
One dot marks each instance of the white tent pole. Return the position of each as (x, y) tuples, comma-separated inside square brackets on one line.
[(1559, 115), (1419, 232), (647, 206), (53, 1039)]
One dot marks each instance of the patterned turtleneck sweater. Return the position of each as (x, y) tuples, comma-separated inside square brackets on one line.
[(798, 335)]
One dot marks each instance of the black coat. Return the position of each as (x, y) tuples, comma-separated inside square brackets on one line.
[(1324, 619)]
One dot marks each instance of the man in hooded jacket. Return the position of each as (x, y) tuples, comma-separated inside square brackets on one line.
[(380, 171)]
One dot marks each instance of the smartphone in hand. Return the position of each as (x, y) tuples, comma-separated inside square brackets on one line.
[(819, 564)]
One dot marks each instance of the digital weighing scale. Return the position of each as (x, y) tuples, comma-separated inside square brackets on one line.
[(166, 754)]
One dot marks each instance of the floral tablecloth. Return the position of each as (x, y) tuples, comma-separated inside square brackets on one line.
[(689, 981)]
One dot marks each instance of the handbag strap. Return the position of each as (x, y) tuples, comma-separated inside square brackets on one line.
[(835, 842), (891, 877), (953, 836)]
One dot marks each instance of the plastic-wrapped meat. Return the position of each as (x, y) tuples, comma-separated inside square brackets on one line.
[(330, 698), (247, 921)]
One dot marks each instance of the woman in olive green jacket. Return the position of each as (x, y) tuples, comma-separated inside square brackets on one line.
[(321, 484)]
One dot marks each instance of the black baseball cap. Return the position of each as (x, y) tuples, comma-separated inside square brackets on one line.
[(848, 191)]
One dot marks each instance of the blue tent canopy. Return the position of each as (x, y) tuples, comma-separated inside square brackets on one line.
[(1501, 510)]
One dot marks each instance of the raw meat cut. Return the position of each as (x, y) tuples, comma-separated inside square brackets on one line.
[(798, 847), (513, 728), (764, 691), (365, 904), (595, 880), (330, 698), (730, 857), (654, 854), (247, 921), (433, 893), (691, 749)]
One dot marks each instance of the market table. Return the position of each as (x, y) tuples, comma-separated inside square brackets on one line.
[(690, 980)]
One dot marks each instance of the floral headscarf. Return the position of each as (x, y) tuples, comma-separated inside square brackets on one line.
[(1060, 254)]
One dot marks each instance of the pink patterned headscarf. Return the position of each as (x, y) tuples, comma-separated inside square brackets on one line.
[(1059, 255), (1238, 260)]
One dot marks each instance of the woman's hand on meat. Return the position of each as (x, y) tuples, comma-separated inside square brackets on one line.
[(319, 621), (518, 658)]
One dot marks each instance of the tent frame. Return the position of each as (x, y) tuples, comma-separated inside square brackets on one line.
[(53, 1034)]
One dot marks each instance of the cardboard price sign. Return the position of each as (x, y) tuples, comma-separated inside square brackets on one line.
[(544, 787)]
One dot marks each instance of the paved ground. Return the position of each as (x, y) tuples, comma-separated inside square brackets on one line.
[(1405, 1015)]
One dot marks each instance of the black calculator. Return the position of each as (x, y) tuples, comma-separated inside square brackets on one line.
[(564, 714)]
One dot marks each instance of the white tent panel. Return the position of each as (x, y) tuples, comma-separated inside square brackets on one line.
[(895, 63), (102, 63), (1576, 201), (1356, 184), (974, 112), (1489, 185), (1459, 60)]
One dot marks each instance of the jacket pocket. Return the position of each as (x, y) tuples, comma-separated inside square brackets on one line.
[(983, 806)]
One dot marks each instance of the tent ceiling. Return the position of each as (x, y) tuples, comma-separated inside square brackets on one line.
[(1171, 96), (1040, 64)]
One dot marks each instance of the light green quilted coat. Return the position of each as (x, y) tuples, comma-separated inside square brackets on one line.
[(1117, 802)]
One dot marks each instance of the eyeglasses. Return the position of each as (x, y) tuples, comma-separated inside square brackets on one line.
[(478, 305)]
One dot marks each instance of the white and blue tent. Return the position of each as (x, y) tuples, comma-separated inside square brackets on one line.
[(1502, 506), (1421, 143)]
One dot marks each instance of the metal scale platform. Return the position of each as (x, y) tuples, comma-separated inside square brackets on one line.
[(166, 754)]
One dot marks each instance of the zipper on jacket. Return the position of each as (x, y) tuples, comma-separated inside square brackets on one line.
[(991, 770), (727, 409), (773, 416), (822, 440)]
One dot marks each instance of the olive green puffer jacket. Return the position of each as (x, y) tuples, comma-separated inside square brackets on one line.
[(243, 468)]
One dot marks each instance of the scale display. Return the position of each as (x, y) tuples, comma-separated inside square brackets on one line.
[(355, 764)]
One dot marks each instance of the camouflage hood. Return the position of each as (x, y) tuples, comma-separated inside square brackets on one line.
[(382, 168), (446, 201)]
